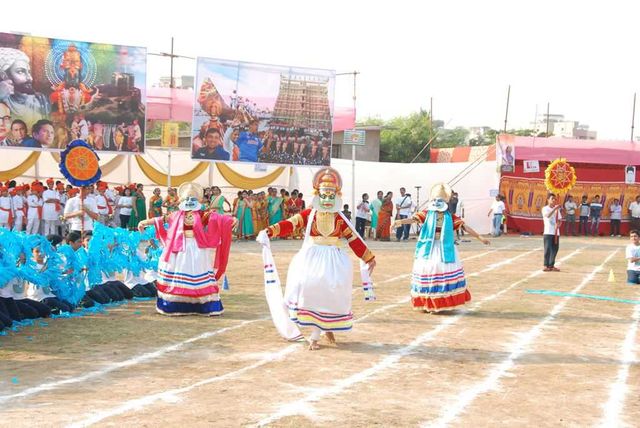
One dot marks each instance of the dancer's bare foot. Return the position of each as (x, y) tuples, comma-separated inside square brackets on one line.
[(330, 336), (313, 345)]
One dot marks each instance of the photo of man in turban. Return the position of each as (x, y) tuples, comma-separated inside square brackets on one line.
[(16, 88)]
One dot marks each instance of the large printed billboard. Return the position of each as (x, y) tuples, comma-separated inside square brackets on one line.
[(54, 91), (246, 112)]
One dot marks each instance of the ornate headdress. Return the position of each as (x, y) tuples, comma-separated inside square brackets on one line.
[(190, 189), (439, 197), (327, 179)]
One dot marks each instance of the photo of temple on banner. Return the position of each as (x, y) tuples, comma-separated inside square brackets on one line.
[(54, 91), (258, 113)]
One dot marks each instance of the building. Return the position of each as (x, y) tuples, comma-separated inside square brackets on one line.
[(560, 127), (303, 103), (182, 82), (369, 152)]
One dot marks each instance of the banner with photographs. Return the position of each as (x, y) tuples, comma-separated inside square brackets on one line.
[(54, 91), (506, 153), (245, 112), (526, 197)]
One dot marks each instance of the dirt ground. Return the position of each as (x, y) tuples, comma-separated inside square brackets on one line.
[(508, 358)]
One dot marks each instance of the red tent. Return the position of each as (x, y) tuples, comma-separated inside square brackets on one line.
[(600, 168)]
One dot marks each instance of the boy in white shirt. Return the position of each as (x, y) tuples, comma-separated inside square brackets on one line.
[(616, 217), (18, 208), (34, 204), (551, 217), (6, 211), (632, 255)]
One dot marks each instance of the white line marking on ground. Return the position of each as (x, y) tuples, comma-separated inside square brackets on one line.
[(466, 397), (122, 364), (155, 354), (301, 406), (614, 406), (171, 395)]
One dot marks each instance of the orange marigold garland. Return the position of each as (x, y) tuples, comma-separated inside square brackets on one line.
[(559, 176)]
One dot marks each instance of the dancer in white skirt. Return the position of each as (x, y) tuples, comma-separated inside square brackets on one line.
[(320, 277), (188, 271), (438, 282)]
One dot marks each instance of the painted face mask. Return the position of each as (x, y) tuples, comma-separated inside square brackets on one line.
[(190, 204), (327, 184), (327, 199)]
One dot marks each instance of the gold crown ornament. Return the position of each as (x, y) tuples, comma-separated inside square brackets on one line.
[(190, 189), (441, 191), (327, 179)]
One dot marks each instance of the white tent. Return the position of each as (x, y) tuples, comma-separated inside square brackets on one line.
[(473, 182)]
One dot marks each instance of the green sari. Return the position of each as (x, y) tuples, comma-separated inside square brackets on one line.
[(375, 208), (141, 206), (217, 204), (275, 209)]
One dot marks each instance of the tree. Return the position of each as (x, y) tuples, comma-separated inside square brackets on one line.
[(404, 137)]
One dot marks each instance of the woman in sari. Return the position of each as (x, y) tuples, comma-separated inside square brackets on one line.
[(247, 221), (383, 230), (155, 204), (139, 208), (274, 206), (218, 201), (171, 202)]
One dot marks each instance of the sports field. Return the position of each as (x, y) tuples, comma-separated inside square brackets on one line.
[(508, 358)]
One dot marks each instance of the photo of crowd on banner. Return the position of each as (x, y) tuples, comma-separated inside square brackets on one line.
[(286, 121), (55, 91)]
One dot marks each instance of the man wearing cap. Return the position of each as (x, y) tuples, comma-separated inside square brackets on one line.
[(16, 87), (51, 210), (34, 210), (102, 203), (6, 213), (17, 202), (81, 214), (438, 281)]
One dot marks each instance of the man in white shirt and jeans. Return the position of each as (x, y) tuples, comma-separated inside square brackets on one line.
[(551, 217), (77, 211), (632, 254), (498, 209), (634, 211), (403, 210), (363, 214)]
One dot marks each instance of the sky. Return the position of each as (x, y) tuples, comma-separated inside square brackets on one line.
[(579, 56)]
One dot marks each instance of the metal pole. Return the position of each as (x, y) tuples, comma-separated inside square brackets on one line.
[(128, 169), (506, 113), (633, 116), (171, 86), (547, 133), (353, 150)]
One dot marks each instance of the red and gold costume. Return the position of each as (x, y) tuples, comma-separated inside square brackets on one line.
[(320, 277), (328, 228)]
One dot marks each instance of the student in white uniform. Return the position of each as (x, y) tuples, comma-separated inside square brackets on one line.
[(44, 294), (51, 208), (18, 208), (34, 206), (6, 208)]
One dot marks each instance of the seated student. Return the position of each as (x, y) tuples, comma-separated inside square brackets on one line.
[(92, 296), (30, 309), (142, 285), (9, 312), (114, 289), (44, 294), (632, 255)]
